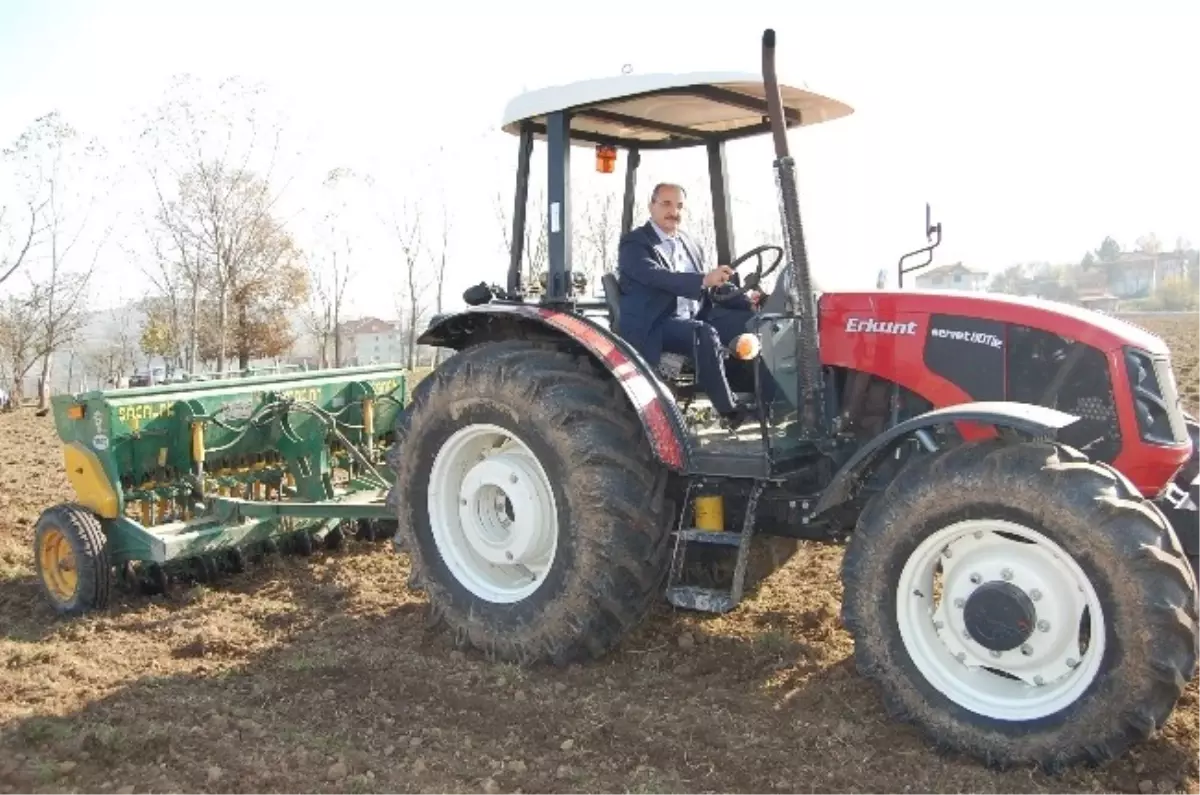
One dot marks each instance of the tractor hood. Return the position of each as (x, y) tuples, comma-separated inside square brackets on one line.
[(1093, 328)]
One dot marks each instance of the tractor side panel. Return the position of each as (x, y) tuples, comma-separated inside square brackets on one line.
[(952, 349), (950, 358), (875, 334)]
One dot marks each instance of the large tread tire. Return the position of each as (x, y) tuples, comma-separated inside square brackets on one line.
[(608, 487), (1122, 543), (81, 530)]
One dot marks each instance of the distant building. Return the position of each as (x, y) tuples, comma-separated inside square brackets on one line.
[(370, 340), (952, 277), (1099, 300)]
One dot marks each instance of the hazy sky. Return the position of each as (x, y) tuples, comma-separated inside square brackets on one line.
[(1032, 132)]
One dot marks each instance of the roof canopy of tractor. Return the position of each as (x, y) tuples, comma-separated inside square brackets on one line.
[(667, 111)]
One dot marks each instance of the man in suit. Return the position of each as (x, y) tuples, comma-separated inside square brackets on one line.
[(664, 308)]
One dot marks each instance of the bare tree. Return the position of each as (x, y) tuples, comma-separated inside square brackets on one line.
[(599, 236), (438, 258), (56, 163), (19, 232), (213, 185), (536, 252), (20, 325), (17, 237), (330, 267), (175, 271), (1149, 244), (404, 222)]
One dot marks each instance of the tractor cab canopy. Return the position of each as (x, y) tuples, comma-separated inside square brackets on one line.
[(635, 113)]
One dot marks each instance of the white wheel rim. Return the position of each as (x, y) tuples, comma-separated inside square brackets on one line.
[(1051, 670), (492, 513)]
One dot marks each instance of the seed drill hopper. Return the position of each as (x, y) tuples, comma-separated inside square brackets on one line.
[(185, 481)]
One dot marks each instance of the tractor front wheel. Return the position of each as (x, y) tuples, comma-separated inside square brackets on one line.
[(71, 554), (1021, 604), (530, 503)]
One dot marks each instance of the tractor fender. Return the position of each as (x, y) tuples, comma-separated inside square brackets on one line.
[(656, 408), (1037, 421)]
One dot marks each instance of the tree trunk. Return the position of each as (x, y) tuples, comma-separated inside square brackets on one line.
[(222, 325), (44, 383), (412, 335), (337, 337), (441, 283), (243, 342), (193, 335)]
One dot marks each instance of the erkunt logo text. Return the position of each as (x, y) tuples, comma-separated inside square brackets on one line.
[(869, 325)]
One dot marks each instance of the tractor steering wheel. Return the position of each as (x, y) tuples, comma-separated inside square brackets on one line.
[(729, 291)]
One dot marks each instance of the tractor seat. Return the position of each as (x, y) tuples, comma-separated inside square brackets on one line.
[(671, 366), (612, 297)]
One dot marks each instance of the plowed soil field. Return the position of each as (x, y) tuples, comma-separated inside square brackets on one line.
[(318, 674)]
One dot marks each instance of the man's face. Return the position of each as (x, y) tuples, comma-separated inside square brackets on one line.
[(667, 209)]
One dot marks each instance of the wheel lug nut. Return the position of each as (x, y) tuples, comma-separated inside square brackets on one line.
[(1072, 662), (961, 657), (1007, 574), (995, 654), (1039, 681), (960, 603), (1026, 649), (966, 634), (512, 478), (1035, 594), (979, 534), (976, 579), (938, 625), (1044, 625)]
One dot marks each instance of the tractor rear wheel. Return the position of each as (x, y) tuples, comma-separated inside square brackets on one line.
[(530, 503), (1021, 604)]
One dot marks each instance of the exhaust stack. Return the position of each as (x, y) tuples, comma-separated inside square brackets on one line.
[(800, 294)]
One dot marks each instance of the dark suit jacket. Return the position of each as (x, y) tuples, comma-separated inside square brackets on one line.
[(650, 287)]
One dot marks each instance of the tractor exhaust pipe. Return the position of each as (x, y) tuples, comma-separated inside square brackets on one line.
[(800, 295)]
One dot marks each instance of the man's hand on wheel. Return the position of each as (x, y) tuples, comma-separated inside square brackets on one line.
[(717, 276)]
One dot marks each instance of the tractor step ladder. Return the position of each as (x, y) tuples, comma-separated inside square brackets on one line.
[(713, 600)]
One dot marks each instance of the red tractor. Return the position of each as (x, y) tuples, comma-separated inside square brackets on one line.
[(1002, 468)]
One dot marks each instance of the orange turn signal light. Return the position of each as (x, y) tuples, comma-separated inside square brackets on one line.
[(75, 411), (606, 158), (745, 347)]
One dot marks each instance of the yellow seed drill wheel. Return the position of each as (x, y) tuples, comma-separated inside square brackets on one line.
[(71, 553), (58, 565)]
